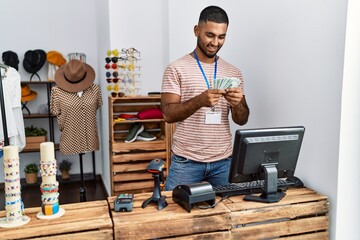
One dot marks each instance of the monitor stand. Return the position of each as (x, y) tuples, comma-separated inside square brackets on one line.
[(271, 193)]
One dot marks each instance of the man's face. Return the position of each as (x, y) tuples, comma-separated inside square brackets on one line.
[(211, 37)]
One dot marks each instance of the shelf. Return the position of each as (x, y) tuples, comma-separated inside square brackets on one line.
[(128, 161), (137, 120), (37, 82), (37, 115), (28, 150)]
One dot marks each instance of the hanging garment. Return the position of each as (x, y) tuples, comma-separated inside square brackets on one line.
[(13, 111), (76, 116)]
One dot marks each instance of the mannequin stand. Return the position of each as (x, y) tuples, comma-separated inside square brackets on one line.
[(156, 197), (82, 187)]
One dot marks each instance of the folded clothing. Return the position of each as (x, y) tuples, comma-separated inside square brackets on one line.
[(127, 116), (152, 113)]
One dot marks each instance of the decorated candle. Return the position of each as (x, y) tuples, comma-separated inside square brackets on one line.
[(49, 186)]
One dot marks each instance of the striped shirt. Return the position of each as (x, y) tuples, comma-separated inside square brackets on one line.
[(193, 139)]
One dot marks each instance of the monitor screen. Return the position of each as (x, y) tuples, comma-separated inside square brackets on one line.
[(255, 151)]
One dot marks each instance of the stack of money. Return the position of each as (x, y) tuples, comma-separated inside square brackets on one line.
[(224, 83)]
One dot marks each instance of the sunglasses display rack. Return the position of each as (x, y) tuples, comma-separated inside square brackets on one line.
[(123, 72)]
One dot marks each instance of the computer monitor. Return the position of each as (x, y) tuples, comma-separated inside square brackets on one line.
[(265, 154)]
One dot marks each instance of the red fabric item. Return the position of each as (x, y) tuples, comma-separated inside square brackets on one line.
[(124, 115), (152, 113)]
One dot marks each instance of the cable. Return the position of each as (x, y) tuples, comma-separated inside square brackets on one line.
[(212, 206)]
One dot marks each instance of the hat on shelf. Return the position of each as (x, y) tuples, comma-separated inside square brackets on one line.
[(55, 58), (74, 76), (27, 94), (34, 60), (11, 59)]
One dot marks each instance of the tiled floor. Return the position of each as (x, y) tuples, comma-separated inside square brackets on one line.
[(69, 192)]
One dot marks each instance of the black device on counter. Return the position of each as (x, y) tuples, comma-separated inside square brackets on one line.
[(266, 154), (124, 202), (187, 195), (156, 167)]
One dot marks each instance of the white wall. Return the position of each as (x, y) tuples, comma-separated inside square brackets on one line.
[(348, 193), (291, 54), (41, 24)]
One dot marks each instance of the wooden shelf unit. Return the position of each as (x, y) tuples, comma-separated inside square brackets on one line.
[(128, 161), (48, 85)]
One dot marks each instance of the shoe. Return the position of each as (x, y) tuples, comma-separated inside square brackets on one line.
[(145, 136), (134, 131)]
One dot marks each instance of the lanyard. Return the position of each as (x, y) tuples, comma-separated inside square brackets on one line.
[(202, 70)]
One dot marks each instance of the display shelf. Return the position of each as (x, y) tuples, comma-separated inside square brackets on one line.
[(48, 85), (37, 115), (128, 161), (28, 150)]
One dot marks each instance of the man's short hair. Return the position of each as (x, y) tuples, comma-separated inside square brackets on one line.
[(214, 14)]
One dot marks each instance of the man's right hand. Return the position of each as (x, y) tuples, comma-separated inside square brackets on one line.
[(211, 97)]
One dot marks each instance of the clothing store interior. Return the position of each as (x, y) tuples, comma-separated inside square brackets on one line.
[(104, 102)]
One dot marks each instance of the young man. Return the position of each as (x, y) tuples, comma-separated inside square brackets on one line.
[(202, 144)]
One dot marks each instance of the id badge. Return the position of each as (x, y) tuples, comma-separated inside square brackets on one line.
[(213, 117)]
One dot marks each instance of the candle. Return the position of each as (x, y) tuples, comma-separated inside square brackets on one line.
[(13, 204), (49, 185)]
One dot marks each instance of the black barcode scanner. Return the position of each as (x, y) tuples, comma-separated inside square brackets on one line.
[(156, 168)]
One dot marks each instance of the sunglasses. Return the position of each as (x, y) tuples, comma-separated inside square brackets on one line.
[(117, 94), (115, 74), (109, 59), (113, 66), (114, 87), (114, 52), (130, 67), (115, 59), (112, 80), (129, 51)]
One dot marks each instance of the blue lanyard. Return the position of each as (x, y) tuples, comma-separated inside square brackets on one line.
[(202, 70)]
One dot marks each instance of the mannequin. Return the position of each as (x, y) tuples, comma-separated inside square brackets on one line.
[(74, 101)]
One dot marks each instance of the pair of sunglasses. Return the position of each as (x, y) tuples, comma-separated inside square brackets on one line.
[(111, 59), (115, 59), (114, 87), (114, 52), (112, 80), (128, 51), (115, 74), (117, 94), (113, 66), (130, 67)]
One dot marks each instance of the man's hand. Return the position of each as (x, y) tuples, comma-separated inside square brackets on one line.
[(233, 96), (211, 97)]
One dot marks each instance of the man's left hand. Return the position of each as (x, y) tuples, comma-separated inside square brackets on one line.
[(233, 96)]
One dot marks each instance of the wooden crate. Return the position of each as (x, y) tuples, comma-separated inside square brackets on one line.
[(33, 143), (128, 161), (301, 214), (87, 220), (172, 221)]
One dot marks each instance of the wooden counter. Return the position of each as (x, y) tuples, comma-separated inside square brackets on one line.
[(150, 223), (87, 220), (301, 214)]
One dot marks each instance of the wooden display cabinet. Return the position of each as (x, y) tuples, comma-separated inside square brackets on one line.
[(128, 161)]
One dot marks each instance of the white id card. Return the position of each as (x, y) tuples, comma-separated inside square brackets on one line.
[(213, 117)]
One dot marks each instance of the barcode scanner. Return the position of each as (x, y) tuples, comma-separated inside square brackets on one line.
[(156, 168)]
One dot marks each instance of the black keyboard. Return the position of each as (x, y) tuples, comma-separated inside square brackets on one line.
[(246, 188)]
